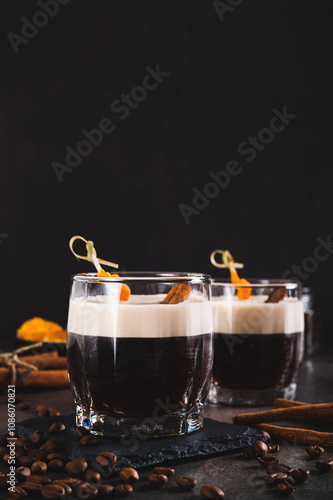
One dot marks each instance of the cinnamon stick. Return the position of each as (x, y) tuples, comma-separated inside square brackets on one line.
[(301, 436), (287, 403), (318, 411), (46, 361), (34, 379)]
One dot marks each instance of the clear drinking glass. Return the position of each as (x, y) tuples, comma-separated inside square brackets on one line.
[(258, 345), (139, 367)]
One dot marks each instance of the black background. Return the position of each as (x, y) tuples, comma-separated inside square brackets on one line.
[(225, 79)]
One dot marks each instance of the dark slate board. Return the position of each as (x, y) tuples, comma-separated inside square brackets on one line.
[(215, 437)]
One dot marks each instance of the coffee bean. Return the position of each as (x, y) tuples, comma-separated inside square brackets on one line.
[(43, 480), (38, 438), (273, 448), (275, 468), (25, 405), (44, 413), (54, 412), (88, 440), (57, 427), (324, 465), (23, 472), (91, 476), (39, 467), (249, 452), (186, 483), (30, 446), (211, 492), (285, 488), (53, 492), (52, 456), (76, 468), (260, 448), (56, 464), (277, 477), (129, 475), (80, 432), (265, 433), (26, 461), (300, 475), (268, 460), (73, 482), (314, 451), (38, 454), (106, 458), (166, 471), (123, 490), (31, 488), (86, 491), (105, 490), (21, 442), (3, 451), (157, 480), (67, 487), (18, 492), (51, 446)]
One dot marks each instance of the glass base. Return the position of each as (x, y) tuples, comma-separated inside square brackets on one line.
[(141, 428), (265, 397)]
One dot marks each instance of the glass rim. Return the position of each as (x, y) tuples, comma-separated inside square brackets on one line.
[(157, 276), (258, 283)]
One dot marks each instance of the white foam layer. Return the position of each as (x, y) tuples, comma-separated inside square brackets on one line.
[(231, 315), (142, 317)]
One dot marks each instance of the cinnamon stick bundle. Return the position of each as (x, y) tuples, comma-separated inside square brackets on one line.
[(34, 379), (317, 411), (301, 436)]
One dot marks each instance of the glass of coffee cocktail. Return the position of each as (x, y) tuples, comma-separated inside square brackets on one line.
[(140, 365), (258, 341)]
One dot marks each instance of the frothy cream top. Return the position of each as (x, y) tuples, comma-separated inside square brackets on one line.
[(142, 316), (231, 315)]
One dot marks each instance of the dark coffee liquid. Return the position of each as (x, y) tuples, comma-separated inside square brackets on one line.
[(132, 377), (256, 361)]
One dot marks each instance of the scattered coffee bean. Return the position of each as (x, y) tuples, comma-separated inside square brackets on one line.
[(249, 452), (91, 476), (275, 468), (166, 471), (314, 451), (51, 446), (18, 492), (21, 442), (106, 458), (54, 412), (300, 475), (277, 477), (260, 448), (80, 432), (285, 488), (30, 446), (186, 483), (25, 405), (3, 480), (324, 465), (273, 448), (86, 491), (67, 488), (73, 482), (31, 488), (129, 475), (123, 490), (38, 454), (268, 460), (57, 427), (23, 472), (88, 440), (157, 480), (266, 434), (38, 438), (56, 464), (105, 490), (211, 492), (52, 456), (76, 468), (26, 461), (43, 480), (39, 467), (53, 492)]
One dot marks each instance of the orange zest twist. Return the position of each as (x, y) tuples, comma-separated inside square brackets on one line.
[(242, 293), (125, 290)]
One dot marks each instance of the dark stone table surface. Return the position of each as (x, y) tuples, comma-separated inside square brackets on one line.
[(240, 479)]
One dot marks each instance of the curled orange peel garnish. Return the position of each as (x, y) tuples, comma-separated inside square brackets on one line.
[(92, 257), (243, 293)]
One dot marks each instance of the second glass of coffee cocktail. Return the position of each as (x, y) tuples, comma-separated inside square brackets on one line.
[(142, 365)]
